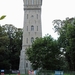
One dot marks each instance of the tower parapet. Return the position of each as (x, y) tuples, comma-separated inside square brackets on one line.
[(32, 2)]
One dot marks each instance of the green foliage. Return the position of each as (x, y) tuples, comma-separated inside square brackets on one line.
[(67, 40), (2, 17), (44, 54), (10, 46)]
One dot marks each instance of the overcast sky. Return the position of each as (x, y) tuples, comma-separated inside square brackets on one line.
[(51, 10)]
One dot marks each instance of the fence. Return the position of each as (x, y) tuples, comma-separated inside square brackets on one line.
[(43, 72), (9, 72), (49, 72)]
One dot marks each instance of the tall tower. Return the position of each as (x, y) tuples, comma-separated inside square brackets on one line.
[(31, 30)]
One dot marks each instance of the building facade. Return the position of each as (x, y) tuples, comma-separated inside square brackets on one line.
[(31, 30)]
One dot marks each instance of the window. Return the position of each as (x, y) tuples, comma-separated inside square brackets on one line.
[(37, 16), (27, 16), (37, 28), (32, 16), (26, 64), (27, 28), (41, 1), (27, 40), (32, 2), (37, 2), (32, 28), (27, 2), (36, 38), (32, 39)]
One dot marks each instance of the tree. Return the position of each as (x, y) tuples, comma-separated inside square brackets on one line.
[(66, 39), (15, 36), (4, 53), (44, 53), (10, 46)]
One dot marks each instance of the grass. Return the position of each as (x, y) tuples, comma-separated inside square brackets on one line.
[(40, 74), (14, 74)]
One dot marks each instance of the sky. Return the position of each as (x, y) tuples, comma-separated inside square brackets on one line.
[(51, 10)]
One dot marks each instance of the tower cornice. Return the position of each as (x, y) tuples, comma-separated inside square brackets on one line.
[(32, 8)]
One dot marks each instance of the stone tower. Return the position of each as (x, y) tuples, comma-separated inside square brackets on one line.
[(31, 30)]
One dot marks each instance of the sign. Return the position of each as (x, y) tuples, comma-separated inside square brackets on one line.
[(58, 72), (30, 72), (2, 72), (15, 71)]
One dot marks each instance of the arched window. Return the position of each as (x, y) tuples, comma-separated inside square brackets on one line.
[(36, 38), (32, 39), (32, 28)]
